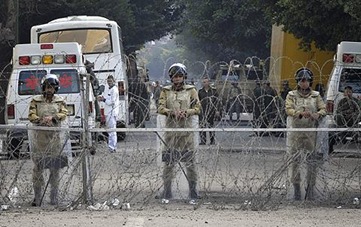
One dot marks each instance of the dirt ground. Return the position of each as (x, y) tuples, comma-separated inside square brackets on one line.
[(183, 215)]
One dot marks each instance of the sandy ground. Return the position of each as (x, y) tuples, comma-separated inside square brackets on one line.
[(184, 216)]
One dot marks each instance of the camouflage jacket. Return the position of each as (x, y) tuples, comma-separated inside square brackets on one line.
[(297, 103)]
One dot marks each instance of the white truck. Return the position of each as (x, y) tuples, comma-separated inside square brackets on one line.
[(31, 62), (346, 72)]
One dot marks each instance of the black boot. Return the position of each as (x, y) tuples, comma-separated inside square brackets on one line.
[(310, 193), (212, 138), (54, 196), (193, 194), (167, 192), (37, 197), (297, 191)]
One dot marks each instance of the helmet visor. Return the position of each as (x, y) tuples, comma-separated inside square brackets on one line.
[(177, 70)]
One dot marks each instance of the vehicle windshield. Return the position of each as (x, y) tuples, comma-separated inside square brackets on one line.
[(350, 77), (232, 76), (92, 40), (30, 81)]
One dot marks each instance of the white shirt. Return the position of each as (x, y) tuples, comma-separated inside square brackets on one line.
[(112, 102)]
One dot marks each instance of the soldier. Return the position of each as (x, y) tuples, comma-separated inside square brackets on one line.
[(348, 110), (347, 115), (285, 89), (48, 110), (156, 93), (111, 111), (305, 107), (139, 97), (208, 97), (269, 104), (179, 102), (234, 102)]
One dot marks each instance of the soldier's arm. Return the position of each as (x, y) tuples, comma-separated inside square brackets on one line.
[(33, 115), (162, 104), (63, 112), (321, 107), (290, 106)]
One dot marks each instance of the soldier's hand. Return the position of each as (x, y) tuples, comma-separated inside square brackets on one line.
[(182, 114), (306, 114), (46, 121), (315, 116)]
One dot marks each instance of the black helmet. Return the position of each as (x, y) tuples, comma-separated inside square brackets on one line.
[(177, 68), (304, 73), (50, 79)]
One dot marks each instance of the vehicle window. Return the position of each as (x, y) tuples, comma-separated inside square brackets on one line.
[(350, 77), (29, 82), (68, 79), (233, 75), (92, 40)]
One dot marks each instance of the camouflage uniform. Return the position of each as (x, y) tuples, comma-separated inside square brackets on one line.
[(171, 100), (302, 145), (234, 104), (46, 146)]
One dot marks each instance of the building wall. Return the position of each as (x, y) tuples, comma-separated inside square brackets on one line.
[(287, 57)]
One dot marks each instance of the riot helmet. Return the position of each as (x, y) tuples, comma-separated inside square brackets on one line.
[(52, 80), (177, 68), (304, 73)]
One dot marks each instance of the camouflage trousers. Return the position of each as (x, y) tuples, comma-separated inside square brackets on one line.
[(302, 151), (38, 178), (191, 171)]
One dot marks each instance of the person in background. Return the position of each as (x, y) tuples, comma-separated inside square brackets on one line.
[(305, 108), (285, 89), (178, 102), (348, 110), (156, 93), (321, 89), (47, 110), (208, 97), (139, 101), (258, 94), (234, 102), (111, 112), (281, 105), (269, 105)]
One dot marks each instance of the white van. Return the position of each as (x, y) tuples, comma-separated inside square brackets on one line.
[(346, 72), (31, 62)]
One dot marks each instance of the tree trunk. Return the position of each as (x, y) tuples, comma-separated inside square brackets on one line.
[(9, 26)]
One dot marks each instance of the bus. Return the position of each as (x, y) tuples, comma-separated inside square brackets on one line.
[(101, 42)]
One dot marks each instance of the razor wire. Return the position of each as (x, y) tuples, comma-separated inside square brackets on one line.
[(246, 168)]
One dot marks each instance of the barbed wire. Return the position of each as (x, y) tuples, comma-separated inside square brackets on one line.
[(246, 167)]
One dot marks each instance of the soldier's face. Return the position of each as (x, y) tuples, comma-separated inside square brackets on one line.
[(304, 84), (177, 78), (49, 90)]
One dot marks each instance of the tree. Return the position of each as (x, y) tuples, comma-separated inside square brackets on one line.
[(226, 29), (324, 22), (140, 20)]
